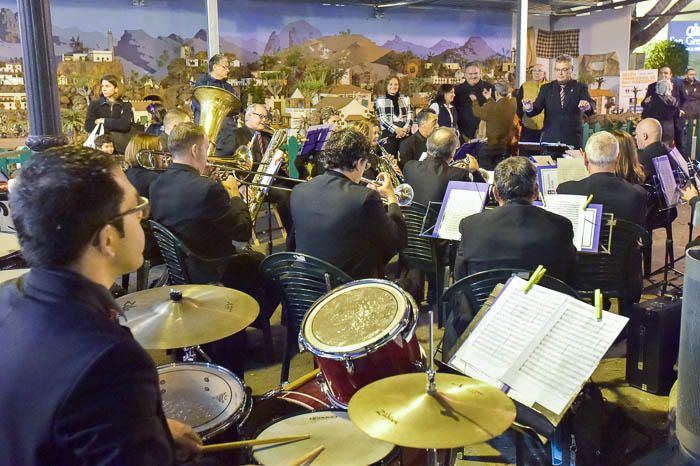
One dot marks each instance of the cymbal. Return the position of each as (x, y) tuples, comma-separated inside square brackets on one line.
[(461, 412), (186, 315)]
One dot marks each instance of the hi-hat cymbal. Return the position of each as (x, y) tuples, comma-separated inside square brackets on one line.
[(461, 412), (186, 315)]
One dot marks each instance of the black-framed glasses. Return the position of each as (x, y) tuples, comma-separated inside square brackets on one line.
[(144, 206), (261, 115)]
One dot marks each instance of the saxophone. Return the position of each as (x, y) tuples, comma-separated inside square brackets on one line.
[(273, 155), (384, 165)]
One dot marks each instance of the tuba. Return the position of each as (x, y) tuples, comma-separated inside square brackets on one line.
[(272, 157), (215, 104)]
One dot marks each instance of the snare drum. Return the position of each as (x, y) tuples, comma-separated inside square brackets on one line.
[(344, 444), (207, 397), (361, 332)]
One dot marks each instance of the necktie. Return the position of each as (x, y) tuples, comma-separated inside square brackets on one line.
[(561, 94)]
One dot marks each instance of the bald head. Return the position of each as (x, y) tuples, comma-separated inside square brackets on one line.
[(443, 144), (648, 132)]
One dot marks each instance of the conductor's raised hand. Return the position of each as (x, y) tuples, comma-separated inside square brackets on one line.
[(487, 93), (584, 104), (527, 105)]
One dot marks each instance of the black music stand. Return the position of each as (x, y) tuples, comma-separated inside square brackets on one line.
[(668, 198), (555, 150)]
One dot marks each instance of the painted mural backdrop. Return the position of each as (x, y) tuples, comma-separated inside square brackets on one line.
[(276, 48)]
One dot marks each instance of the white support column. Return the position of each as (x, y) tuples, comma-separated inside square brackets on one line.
[(213, 27), (521, 43)]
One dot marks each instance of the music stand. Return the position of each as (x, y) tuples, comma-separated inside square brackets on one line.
[(315, 139), (553, 149), (668, 198)]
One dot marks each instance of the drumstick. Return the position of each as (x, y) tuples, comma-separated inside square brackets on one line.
[(252, 443), (300, 381), (308, 457)]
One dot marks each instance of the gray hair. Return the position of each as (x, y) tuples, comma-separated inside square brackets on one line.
[(216, 59), (602, 149), (565, 58), (664, 87), (501, 88), (250, 109), (515, 178), (425, 115), (443, 143)]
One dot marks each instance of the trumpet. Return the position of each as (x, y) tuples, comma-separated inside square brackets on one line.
[(404, 191), (154, 159)]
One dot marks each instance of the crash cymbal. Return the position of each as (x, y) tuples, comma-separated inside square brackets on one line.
[(461, 412), (186, 315)]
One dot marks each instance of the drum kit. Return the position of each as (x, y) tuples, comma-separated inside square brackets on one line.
[(372, 400)]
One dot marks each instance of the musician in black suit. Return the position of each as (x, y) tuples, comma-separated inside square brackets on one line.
[(429, 178), (564, 102), (517, 233), (626, 201), (338, 220), (207, 216), (648, 135), (255, 130), (413, 147)]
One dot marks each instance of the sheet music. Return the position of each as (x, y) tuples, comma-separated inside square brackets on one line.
[(544, 345), (667, 181), (588, 227), (571, 170), (571, 207), (460, 203), (680, 161), (543, 161), (272, 169)]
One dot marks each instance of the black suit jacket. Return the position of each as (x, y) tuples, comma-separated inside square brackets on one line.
[(625, 200), (229, 141), (346, 224), (142, 178), (199, 211), (76, 388), (520, 235), (468, 123), (649, 153), (411, 148), (430, 177), (562, 124)]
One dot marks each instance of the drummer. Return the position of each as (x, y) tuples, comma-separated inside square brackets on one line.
[(76, 387)]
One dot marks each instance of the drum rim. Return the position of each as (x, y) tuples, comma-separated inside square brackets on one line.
[(238, 417), (319, 411), (356, 351)]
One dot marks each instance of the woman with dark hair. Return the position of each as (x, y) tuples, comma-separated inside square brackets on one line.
[(442, 106), (109, 110), (627, 165), (156, 114), (395, 115)]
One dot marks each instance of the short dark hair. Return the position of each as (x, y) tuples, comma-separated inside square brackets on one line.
[(424, 115), (103, 139), (344, 147), (515, 178), (215, 59), (183, 136), (62, 196), (110, 78), (442, 90)]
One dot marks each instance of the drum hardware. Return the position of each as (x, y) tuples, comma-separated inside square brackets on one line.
[(289, 386), (343, 443), (252, 443), (189, 354), (449, 411), (404, 191), (208, 397), (361, 332), (186, 315)]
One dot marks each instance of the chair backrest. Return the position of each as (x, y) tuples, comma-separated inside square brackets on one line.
[(418, 253), (300, 280), (610, 272), (174, 254)]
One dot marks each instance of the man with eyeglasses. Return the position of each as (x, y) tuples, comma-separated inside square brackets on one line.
[(255, 130), (564, 102), (76, 387)]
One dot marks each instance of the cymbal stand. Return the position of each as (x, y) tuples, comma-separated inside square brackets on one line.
[(189, 354), (430, 372)]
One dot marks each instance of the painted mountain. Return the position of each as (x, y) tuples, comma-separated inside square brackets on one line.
[(344, 50), (397, 44), (294, 33), (474, 49), (442, 46), (199, 44)]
